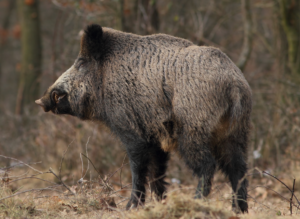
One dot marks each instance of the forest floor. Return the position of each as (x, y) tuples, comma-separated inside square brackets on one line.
[(22, 197), (100, 188), (92, 179)]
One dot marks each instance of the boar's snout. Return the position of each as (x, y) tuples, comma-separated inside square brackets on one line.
[(40, 103)]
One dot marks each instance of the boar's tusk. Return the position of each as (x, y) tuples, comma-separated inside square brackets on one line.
[(39, 102), (60, 97)]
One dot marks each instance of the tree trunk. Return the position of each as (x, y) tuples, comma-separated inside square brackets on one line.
[(31, 54), (289, 12), (246, 51), (151, 16), (3, 36)]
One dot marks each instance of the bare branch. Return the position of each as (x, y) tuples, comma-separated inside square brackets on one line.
[(22, 163), (62, 159), (30, 190), (103, 180), (291, 199), (92, 164), (15, 165), (67, 187), (282, 184), (31, 177), (277, 193), (121, 170), (87, 156)]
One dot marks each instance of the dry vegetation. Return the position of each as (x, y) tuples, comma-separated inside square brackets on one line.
[(30, 190), (99, 199)]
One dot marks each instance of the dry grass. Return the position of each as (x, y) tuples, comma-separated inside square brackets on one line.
[(102, 197), (177, 205), (180, 205)]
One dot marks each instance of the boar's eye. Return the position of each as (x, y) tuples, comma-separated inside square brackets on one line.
[(80, 63)]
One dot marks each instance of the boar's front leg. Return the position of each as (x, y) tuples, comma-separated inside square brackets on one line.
[(138, 154)]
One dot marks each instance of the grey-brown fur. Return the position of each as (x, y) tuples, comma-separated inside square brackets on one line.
[(160, 93)]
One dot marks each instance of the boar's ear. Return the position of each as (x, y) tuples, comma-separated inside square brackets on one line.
[(92, 41)]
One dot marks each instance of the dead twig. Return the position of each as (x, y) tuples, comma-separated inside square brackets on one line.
[(67, 187), (277, 193), (122, 189), (103, 180), (22, 163), (93, 166), (260, 203), (30, 190), (281, 183), (292, 191), (10, 167), (31, 177), (121, 170), (87, 155), (291, 199), (62, 159)]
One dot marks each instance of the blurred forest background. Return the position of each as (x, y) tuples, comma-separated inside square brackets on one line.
[(39, 40)]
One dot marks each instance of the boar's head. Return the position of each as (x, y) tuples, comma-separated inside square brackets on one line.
[(73, 92)]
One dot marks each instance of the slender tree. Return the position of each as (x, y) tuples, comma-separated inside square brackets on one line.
[(4, 30), (247, 46), (289, 15), (3, 40), (31, 53)]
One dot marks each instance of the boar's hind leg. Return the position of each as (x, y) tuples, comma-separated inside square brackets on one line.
[(235, 167), (198, 157), (157, 170), (139, 159)]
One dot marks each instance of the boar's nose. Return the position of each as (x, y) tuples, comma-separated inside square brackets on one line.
[(39, 102)]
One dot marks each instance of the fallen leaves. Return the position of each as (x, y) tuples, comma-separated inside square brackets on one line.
[(73, 207), (108, 203)]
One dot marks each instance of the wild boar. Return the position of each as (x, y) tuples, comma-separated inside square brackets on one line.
[(159, 94)]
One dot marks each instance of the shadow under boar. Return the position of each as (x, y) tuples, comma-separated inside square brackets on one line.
[(159, 94)]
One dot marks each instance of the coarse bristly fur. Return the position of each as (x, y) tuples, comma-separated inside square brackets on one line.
[(160, 93)]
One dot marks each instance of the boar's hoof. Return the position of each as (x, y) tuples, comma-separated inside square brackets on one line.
[(133, 203), (243, 206)]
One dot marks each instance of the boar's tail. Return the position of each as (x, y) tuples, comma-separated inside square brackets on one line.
[(237, 109)]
